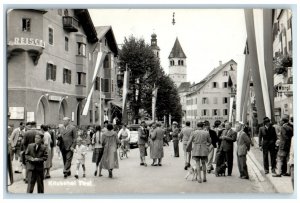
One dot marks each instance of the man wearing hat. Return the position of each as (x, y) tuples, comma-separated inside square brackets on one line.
[(267, 139), (175, 138), (68, 136)]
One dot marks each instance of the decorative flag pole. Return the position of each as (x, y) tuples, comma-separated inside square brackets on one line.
[(124, 96), (100, 58)]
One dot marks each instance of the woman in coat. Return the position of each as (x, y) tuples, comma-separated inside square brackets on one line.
[(110, 143), (157, 152), (47, 142), (201, 141)]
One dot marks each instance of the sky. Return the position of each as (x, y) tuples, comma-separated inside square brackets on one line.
[(207, 36)]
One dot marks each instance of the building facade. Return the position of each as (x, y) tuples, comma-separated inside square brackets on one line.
[(51, 56), (177, 66), (209, 99), (282, 53)]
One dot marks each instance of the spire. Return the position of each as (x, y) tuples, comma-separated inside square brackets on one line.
[(177, 51)]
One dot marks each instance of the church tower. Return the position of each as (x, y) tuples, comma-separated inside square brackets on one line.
[(154, 46), (177, 65)]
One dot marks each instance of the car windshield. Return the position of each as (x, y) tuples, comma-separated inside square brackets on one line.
[(133, 128)]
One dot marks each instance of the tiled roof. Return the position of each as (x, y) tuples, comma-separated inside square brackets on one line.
[(203, 82), (184, 87), (177, 51)]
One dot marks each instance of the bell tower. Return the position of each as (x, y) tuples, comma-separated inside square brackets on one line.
[(177, 64), (154, 46)]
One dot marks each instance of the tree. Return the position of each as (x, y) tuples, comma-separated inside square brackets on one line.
[(145, 71)]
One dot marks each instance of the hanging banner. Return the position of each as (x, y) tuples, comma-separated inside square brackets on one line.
[(231, 108), (154, 96), (259, 35), (124, 97)]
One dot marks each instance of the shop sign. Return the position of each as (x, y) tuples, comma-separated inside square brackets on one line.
[(30, 116), (55, 98), (285, 88), (16, 112), (27, 41), (211, 118)]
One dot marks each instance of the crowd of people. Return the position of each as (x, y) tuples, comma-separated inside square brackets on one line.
[(32, 149)]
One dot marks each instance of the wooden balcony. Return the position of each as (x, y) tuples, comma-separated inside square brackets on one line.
[(70, 23)]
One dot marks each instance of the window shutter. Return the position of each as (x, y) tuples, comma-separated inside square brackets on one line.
[(69, 76), (47, 71), (54, 73), (102, 85)]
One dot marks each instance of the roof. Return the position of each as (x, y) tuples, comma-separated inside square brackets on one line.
[(177, 51), (106, 31), (211, 75), (184, 87), (87, 24)]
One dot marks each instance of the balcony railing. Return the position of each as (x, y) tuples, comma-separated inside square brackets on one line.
[(70, 23)]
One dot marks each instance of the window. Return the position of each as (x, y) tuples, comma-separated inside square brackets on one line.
[(105, 85), (81, 49), (67, 76), (26, 24), (215, 84), (66, 44), (215, 100), (225, 73), (204, 100), (106, 62), (204, 112), (112, 86), (215, 112), (51, 72), (225, 84), (50, 32), (225, 100), (225, 112), (59, 11), (91, 116), (231, 66), (97, 83), (81, 78), (195, 100)]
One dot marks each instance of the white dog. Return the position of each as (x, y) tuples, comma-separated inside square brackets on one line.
[(192, 171)]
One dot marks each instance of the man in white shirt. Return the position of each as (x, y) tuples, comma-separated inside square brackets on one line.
[(124, 136)]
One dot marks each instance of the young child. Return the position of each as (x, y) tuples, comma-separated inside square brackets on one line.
[(80, 153)]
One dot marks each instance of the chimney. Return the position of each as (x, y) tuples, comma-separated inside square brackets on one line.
[(220, 63)]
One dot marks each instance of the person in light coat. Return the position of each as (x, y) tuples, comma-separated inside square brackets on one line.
[(199, 143), (243, 146), (110, 143)]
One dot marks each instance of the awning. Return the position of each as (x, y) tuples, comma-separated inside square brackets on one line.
[(116, 104)]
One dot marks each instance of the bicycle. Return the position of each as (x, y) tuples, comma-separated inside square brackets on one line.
[(123, 151)]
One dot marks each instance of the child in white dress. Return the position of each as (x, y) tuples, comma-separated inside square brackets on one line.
[(80, 152)]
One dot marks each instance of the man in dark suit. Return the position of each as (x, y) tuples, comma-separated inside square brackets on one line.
[(228, 137), (267, 139), (284, 147), (67, 137), (29, 137), (36, 154)]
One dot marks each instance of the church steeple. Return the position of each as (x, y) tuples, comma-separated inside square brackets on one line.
[(177, 67), (154, 46)]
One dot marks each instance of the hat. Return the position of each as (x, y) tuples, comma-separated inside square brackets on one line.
[(66, 119), (174, 123)]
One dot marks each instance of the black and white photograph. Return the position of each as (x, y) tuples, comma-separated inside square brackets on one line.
[(149, 100)]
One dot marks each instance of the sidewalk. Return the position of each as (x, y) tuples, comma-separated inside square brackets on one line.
[(280, 185)]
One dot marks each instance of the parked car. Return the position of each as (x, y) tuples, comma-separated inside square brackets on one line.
[(133, 142)]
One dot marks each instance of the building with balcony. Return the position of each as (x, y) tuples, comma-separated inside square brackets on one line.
[(51, 56), (209, 99), (283, 70)]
